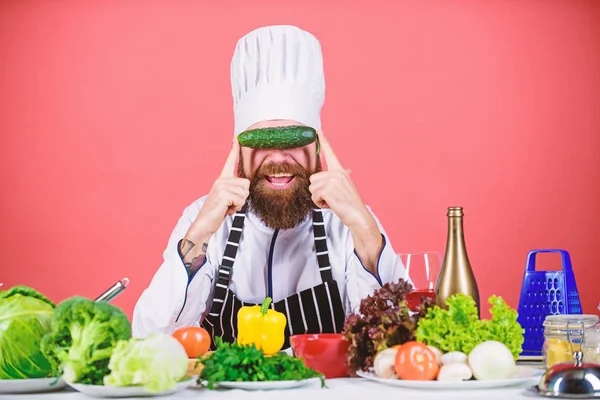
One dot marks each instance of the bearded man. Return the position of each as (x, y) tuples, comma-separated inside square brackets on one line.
[(280, 226)]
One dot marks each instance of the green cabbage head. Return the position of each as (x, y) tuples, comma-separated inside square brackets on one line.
[(25, 317)]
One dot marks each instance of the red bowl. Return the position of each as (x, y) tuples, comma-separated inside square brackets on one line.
[(323, 352)]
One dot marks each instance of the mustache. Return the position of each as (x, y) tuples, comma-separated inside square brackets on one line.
[(281, 168)]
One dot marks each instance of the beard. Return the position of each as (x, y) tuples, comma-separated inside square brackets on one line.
[(280, 208)]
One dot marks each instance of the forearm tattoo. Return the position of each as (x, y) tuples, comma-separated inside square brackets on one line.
[(192, 266), (186, 246)]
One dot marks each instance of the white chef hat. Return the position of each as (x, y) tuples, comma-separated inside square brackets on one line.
[(277, 73)]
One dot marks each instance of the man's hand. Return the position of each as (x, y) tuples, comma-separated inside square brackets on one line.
[(227, 195), (334, 189)]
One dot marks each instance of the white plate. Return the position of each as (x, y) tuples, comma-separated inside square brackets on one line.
[(31, 385), (126, 391), (267, 385), (526, 376)]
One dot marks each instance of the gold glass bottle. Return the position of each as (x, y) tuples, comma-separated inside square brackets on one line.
[(456, 275)]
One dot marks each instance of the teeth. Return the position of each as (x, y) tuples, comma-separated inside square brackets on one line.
[(280, 175)]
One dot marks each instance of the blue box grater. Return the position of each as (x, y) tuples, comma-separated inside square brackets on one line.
[(545, 293)]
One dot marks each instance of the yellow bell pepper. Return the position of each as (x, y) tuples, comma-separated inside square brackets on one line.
[(261, 326)]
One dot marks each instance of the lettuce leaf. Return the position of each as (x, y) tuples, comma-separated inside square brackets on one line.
[(503, 326), (459, 328)]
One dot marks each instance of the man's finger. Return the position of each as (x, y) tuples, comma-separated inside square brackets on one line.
[(237, 191), (330, 158), (319, 202), (231, 162), (316, 187)]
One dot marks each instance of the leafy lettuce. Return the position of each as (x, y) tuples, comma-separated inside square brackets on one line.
[(384, 320), (459, 328)]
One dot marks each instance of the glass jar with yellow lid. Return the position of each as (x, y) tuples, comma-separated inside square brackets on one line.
[(564, 335)]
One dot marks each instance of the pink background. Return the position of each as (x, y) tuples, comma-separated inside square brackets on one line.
[(115, 115)]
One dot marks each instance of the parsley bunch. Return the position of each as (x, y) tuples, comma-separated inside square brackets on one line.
[(232, 362)]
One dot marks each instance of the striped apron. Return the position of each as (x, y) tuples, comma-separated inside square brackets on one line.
[(315, 310)]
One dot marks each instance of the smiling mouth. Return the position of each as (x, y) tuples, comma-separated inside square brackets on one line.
[(279, 179)]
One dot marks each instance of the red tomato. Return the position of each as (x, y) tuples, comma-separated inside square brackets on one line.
[(414, 361), (195, 340)]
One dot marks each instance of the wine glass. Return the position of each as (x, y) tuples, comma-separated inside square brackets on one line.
[(422, 269)]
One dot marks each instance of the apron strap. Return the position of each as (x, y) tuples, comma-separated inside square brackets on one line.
[(226, 266), (321, 246)]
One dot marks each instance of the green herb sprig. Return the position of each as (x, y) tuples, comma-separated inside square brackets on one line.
[(232, 362)]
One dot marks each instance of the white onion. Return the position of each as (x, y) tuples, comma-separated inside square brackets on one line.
[(492, 360)]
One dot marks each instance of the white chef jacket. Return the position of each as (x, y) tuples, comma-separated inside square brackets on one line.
[(173, 300)]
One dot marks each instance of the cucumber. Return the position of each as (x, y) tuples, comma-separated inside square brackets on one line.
[(278, 137)]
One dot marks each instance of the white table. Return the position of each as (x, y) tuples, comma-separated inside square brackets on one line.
[(343, 389)]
